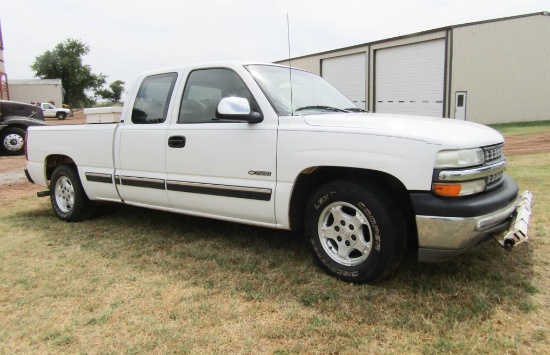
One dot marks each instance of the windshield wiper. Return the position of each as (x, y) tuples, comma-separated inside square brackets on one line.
[(320, 107), (330, 108)]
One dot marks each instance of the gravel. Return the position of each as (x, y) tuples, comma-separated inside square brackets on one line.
[(12, 177)]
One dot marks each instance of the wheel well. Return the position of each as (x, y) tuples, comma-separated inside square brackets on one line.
[(20, 126), (53, 161), (311, 179)]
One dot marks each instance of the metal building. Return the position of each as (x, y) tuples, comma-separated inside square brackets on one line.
[(494, 71), (37, 90)]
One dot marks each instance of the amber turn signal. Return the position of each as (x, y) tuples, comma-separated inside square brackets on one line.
[(447, 189)]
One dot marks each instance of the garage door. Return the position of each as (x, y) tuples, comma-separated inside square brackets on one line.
[(409, 79), (347, 74)]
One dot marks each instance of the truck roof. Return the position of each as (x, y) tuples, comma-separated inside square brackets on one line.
[(212, 64)]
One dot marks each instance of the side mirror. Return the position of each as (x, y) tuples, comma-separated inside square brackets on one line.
[(237, 109)]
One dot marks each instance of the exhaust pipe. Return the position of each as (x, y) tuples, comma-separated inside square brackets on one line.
[(42, 193), (517, 232)]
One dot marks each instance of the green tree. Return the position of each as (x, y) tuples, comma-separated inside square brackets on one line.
[(114, 93), (65, 62)]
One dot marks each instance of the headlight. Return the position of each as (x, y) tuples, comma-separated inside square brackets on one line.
[(459, 158)]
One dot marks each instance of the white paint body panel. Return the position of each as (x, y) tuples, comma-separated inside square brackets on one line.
[(89, 146), (224, 154), (142, 153)]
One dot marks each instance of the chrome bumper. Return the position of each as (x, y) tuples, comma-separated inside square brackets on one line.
[(442, 238)]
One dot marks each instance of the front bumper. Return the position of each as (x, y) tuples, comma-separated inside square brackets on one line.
[(444, 234)]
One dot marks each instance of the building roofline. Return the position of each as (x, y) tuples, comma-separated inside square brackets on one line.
[(446, 28), (35, 81)]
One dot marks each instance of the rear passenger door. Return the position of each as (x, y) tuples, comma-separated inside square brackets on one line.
[(140, 153), (217, 168)]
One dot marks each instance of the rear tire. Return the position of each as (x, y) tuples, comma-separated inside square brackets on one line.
[(13, 141), (355, 231), (69, 201)]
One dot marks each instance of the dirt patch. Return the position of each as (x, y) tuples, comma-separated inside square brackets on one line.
[(78, 118), (12, 163), (13, 183), (523, 145), (12, 192)]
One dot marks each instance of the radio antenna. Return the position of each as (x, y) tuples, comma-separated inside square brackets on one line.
[(289, 63)]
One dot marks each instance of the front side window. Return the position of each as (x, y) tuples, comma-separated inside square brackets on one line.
[(204, 90), (151, 104)]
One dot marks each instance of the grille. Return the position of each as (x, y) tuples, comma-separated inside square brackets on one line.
[(494, 179), (493, 153)]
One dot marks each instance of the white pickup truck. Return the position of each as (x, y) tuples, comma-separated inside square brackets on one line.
[(51, 111), (276, 147)]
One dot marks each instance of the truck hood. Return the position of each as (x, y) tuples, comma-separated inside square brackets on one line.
[(431, 130)]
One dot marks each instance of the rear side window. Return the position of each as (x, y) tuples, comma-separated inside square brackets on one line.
[(153, 97)]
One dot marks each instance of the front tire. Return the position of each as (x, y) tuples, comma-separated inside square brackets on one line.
[(69, 201), (355, 231), (13, 141), (61, 115)]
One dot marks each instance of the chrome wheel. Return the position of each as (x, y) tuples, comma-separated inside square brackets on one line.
[(13, 142), (68, 198), (64, 194), (345, 233), (354, 230)]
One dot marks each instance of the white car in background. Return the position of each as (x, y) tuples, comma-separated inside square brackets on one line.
[(52, 111)]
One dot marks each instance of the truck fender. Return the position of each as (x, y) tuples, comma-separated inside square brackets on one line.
[(22, 121)]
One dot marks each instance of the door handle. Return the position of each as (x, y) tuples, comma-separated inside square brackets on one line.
[(176, 142)]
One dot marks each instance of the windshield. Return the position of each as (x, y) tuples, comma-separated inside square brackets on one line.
[(310, 94)]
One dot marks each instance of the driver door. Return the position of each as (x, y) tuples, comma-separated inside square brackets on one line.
[(216, 168)]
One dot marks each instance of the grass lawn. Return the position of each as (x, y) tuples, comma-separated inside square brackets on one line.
[(524, 128), (133, 281)]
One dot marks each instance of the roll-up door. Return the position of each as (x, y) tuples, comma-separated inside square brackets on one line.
[(409, 79), (348, 75)]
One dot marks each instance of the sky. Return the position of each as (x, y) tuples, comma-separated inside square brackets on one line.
[(127, 37)]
